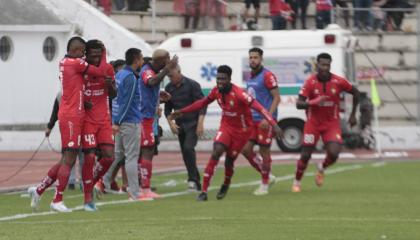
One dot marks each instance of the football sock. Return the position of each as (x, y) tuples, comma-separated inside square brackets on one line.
[(49, 179), (208, 173), (62, 180)]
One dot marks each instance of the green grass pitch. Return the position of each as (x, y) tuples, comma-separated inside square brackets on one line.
[(358, 201)]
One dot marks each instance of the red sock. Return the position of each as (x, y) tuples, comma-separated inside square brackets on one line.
[(49, 179), (300, 169), (208, 173), (228, 174), (265, 170), (255, 161), (87, 176), (101, 168), (327, 162), (146, 173), (62, 180)]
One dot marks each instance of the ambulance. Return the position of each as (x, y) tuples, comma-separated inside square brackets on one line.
[(289, 54)]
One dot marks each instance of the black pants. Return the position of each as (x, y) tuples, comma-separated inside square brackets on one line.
[(323, 18), (188, 138), (302, 6)]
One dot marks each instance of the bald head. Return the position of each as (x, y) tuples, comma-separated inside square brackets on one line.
[(160, 53), (76, 47), (160, 58)]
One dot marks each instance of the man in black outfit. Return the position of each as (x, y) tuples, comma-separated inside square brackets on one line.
[(189, 127)]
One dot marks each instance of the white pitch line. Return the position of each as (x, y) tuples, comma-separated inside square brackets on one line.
[(174, 194), (232, 219)]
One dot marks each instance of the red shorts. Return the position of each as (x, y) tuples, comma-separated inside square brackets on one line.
[(147, 135), (95, 134), (329, 131), (70, 130), (233, 141), (262, 137)]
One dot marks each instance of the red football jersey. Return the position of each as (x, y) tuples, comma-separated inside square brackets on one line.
[(97, 93), (329, 109), (72, 86), (236, 110)]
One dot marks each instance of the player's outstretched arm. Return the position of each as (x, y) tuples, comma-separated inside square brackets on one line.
[(197, 105)]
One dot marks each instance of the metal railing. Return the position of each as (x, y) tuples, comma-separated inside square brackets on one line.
[(367, 24)]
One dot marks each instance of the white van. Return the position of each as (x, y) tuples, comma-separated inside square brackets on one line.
[(290, 55)]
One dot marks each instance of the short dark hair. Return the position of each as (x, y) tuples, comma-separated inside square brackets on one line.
[(73, 39), (257, 50), (324, 56), (131, 54), (147, 60), (117, 63), (93, 44), (225, 69)]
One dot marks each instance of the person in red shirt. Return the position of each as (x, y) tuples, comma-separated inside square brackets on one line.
[(97, 129), (323, 13), (280, 13), (71, 116), (320, 96), (235, 126)]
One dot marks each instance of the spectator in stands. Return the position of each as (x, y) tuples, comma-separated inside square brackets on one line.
[(120, 5), (191, 11), (215, 9), (395, 19), (106, 6), (378, 15), (299, 6), (323, 13), (280, 13), (256, 5), (363, 18), (346, 12), (138, 5)]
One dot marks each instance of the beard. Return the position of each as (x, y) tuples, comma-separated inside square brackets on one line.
[(226, 89)]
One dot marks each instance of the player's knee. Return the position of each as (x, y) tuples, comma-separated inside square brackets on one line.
[(216, 155), (108, 154), (333, 156), (305, 157)]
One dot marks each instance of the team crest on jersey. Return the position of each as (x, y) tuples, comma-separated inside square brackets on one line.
[(338, 136), (333, 90), (316, 91), (70, 144), (232, 103)]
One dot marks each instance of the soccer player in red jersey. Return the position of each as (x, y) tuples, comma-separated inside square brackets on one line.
[(97, 129), (262, 86), (235, 126), (151, 75), (320, 96), (71, 116)]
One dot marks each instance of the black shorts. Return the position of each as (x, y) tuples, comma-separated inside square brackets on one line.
[(255, 3)]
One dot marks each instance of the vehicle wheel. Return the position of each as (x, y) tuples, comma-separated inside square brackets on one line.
[(293, 134)]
